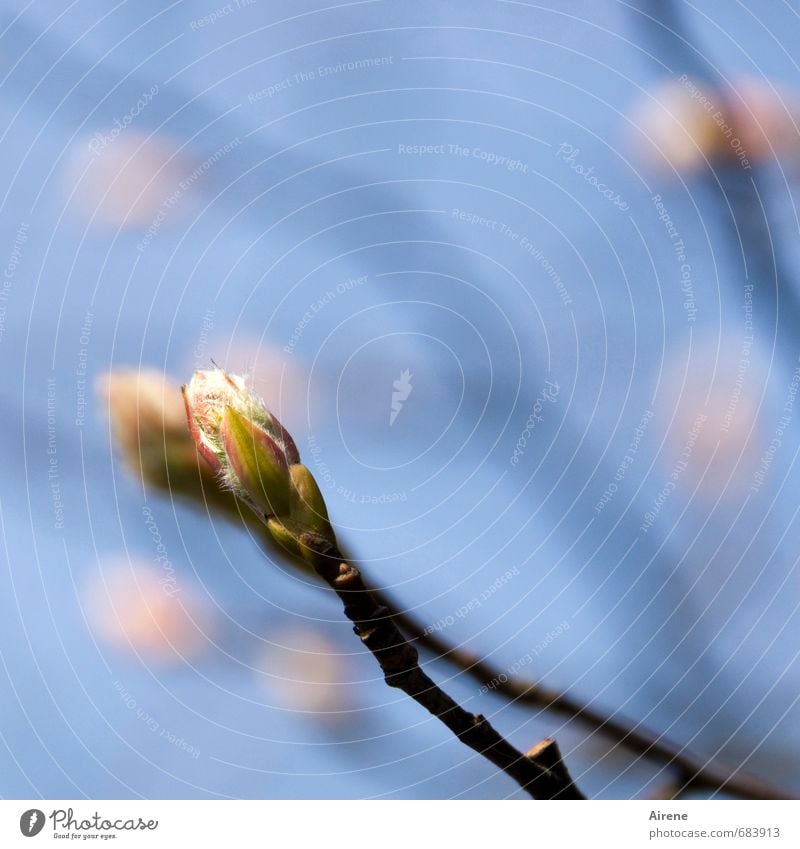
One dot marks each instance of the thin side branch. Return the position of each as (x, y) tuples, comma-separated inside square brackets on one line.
[(545, 778), (692, 772)]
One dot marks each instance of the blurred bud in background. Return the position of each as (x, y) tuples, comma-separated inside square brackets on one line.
[(128, 181), (148, 421), (149, 611), (712, 398), (304, 670), (279, 378), (686, 123)]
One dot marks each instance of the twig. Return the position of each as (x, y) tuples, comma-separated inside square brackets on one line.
[(159, 448), (548, 755), (692, 771), (547, 778)]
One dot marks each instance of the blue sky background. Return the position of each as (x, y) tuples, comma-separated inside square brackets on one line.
[(298, 179)]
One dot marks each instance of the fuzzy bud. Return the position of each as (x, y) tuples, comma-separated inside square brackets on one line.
[(254, 456)]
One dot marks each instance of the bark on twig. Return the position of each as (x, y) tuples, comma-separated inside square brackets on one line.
[(400, 664), (548, 755)]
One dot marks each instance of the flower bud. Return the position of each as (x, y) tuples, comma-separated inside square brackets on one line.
[(149, 425), (308, 505), (255, 457), (257, 461)]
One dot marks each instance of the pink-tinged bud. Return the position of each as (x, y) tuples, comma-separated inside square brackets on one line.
[(254, 455), (204, 447), (207, 397), (283, 436), (258, 463)]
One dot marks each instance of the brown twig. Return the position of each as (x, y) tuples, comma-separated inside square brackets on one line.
[(545, 778), (548, 755), (692, 771)]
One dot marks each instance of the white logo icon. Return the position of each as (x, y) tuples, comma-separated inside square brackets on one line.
[(402, 389)]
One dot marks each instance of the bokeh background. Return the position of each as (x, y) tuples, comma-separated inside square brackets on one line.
[(573, 226)]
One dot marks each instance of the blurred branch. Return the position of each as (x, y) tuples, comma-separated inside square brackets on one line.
[(692, 771), (742, 195)]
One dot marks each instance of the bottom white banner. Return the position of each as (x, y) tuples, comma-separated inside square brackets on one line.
[(392, 825)]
